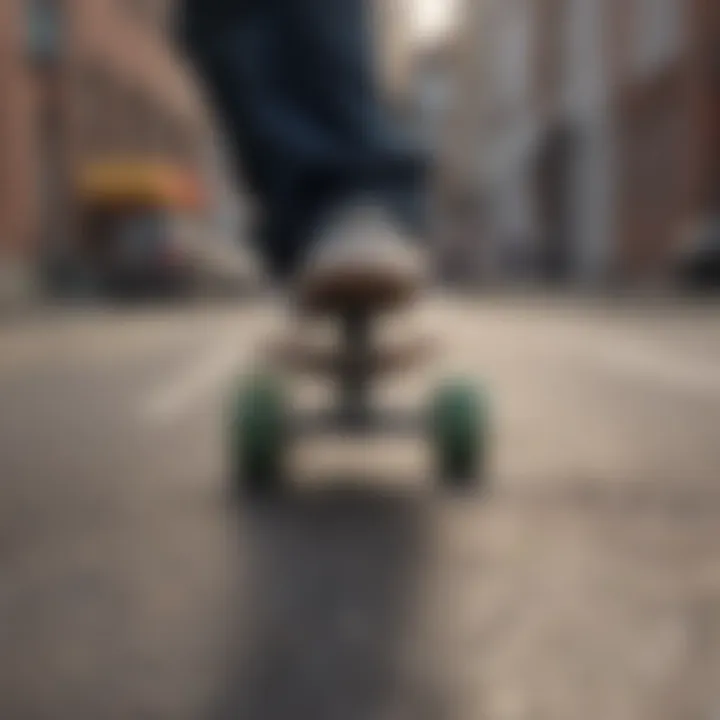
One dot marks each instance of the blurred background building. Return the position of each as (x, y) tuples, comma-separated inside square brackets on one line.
[(584, 143), (394, 47), (577, 141), (100, 121)]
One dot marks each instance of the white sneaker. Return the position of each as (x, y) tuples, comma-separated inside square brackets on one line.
[(361, 261)]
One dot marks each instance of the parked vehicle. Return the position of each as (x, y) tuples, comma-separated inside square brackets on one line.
[(698, 261), (150, 257), (136, 237)]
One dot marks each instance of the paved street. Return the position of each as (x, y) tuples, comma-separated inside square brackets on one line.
[(585, 585)]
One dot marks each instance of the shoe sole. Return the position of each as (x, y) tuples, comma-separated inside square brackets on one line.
[(357, 288)]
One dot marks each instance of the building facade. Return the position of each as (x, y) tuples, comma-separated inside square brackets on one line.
[(665, 99), (650, 104), (507, 132), (487, 193), (458, 195), (84, 82), (592, 130), (18, 152), (573, 153)]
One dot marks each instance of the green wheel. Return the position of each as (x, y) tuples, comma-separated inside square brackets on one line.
[(259, 437), (460, 434)]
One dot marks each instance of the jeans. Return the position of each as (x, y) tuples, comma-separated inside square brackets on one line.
[(292, 84)]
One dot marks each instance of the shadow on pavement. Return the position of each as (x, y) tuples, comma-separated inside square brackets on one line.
[(331, 619)]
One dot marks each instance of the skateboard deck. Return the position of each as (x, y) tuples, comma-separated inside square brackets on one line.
[(335, 360)]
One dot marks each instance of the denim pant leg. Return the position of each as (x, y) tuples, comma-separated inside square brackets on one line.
[(293, 83)]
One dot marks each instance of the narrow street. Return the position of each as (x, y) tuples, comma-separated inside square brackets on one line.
[(585, 584)]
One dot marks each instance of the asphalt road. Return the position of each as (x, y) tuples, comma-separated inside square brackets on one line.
[(586, 584)]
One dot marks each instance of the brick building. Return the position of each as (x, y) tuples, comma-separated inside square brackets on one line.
[(605, 118), (18, 202), (84, 82), (627, 96), (649, 99), (665, 98)]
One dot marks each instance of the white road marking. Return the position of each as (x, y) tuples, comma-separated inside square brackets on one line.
[(195, 382), (208, 373)]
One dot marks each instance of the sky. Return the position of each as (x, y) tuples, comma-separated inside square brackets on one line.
[(433, 17)]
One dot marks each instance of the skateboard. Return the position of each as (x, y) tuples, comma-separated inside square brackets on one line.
[(264, 425)]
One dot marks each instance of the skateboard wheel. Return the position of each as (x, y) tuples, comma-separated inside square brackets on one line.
[(259, 437), (459, 434)]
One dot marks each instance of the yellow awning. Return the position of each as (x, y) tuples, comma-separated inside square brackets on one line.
[(147, 183)]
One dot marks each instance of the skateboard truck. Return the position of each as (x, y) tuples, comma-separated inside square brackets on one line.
[(263, 428), (354, 412)]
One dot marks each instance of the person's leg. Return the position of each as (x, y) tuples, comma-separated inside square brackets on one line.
[(293, 82)]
